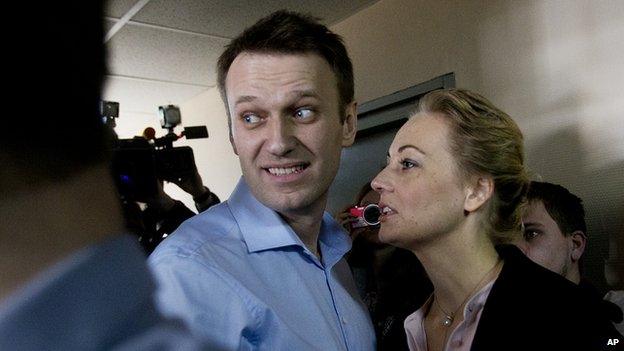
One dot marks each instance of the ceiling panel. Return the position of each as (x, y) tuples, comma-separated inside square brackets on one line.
[(164, 55), (227, 18), (118, 8)]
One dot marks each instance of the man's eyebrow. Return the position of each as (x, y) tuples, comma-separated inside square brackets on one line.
[(245, 98), (298, 94), (532, 224)]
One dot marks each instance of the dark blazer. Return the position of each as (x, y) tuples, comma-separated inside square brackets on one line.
[(531, 308)]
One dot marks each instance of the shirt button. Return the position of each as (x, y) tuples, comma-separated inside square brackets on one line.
[(344, 321)]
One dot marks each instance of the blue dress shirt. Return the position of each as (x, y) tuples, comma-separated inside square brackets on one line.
[(99, 298), (241, 278)]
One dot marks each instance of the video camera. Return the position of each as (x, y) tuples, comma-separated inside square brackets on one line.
[(140, 163)]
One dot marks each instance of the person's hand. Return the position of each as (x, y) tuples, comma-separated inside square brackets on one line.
[(160, 201), (194, 186), (191, 184), (345, 218)]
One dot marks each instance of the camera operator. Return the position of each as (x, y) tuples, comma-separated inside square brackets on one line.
[(163, 214), (142, 164), (150, 212)]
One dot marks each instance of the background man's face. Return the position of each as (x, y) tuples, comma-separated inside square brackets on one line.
[(286, 127), (543, 242)]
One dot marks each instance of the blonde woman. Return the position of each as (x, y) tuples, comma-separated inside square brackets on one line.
[(453, 188)]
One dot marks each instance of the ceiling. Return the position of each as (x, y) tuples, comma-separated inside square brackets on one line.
[(165, 51)]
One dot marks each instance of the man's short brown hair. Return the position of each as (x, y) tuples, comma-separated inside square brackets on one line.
[(286, 32)]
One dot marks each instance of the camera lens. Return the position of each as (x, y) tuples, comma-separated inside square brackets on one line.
[(371, 214)]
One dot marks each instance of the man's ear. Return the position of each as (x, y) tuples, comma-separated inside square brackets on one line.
[(578, 240), (478, 192), (233, 143), (349, 126), (229, 119), (233, 146)]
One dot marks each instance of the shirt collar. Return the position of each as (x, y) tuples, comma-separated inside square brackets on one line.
[(263, 229), (334, 241)]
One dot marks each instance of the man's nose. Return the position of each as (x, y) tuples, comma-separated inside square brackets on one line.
[(281, 137)]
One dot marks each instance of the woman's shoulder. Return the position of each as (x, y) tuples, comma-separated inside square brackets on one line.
[(532, 290), (524, 275), (542, 308)]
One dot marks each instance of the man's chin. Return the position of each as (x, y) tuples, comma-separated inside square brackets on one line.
[(285, 203), (284, 198)]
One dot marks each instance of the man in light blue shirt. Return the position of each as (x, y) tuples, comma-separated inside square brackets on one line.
[(242, 277), (265, 270)]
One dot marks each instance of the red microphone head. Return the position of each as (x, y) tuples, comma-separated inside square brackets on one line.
[(149, 133)]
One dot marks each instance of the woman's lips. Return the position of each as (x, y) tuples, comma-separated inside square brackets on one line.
[(386, 211)]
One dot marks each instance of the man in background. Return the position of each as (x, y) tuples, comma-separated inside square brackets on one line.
[(69, 279), (265, 269), (555, 236), (554, 229)]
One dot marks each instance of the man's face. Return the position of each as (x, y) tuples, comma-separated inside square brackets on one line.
[(286, 127), (543, 242)]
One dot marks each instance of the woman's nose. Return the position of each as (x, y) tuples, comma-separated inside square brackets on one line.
[(380, 183)]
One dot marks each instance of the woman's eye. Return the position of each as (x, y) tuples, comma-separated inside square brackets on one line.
[(405, 164), (304, 113), (251, 118)]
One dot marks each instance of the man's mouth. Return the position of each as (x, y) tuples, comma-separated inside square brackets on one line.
[(282, 171)]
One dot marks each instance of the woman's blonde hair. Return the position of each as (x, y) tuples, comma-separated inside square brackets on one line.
[(485, 140)]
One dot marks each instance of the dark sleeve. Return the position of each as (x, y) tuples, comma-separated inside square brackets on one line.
[(206, 200), (165, 222), (532, 308), (157, 224)]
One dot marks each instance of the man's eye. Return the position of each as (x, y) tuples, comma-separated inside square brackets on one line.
[(304, 113), (530, 235), (251, 118)]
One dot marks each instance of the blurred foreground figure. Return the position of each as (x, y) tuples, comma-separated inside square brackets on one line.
[(69, 279)]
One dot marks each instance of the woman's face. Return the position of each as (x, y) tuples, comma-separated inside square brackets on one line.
[(422, 195)]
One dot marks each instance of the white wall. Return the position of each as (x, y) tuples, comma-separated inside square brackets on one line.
[(217, 163), (556, 66)]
